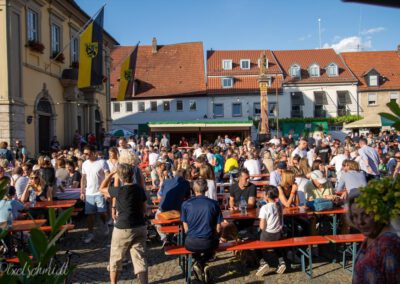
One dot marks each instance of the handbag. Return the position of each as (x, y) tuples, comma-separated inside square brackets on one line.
[(321, 204)]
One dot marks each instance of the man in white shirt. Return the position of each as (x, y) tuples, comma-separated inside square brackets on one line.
[(253, 166), (93, 173), (337, 161), (198, 151), (301, 149), (164, 141), (153, 156)]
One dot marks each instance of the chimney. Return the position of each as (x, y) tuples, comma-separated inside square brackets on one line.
[(154, 46)]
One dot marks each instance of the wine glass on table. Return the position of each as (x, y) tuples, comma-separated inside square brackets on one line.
[(225, 202)]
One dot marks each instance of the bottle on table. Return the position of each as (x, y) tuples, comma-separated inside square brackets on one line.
[(9, 219), (243, 206), (32, 198)]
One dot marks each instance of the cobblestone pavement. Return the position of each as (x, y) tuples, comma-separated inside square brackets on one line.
[(91, 265)]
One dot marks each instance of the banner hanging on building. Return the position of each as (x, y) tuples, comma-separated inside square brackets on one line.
[(127, 75)]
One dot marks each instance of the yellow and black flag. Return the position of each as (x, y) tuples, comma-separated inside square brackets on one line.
[(90, 53), (127, 77)]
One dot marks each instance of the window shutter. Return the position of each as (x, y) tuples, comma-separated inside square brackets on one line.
[(320, 98), (297, 99)]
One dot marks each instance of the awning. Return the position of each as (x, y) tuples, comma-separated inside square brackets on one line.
[(370, 121), (200, 125)]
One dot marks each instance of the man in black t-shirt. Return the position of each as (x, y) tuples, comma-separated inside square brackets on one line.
[(324, 151), (130, 232), (243, 189)]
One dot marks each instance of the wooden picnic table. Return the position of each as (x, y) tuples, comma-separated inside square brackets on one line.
[(58, 204), (26, 225), (166, 221)]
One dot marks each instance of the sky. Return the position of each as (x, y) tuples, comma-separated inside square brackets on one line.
[(251, 24)]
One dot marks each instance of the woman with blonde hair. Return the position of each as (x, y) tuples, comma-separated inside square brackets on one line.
[(287, 189), (267, 162), (207, 173), (37, 185)]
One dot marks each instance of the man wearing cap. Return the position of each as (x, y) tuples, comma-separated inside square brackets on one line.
[(275, 177), (318, 187)]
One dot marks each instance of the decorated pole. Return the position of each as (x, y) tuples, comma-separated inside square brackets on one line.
[(263, 79)]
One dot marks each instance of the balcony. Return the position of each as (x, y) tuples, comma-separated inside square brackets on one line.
[(319, 113), (297, 113)]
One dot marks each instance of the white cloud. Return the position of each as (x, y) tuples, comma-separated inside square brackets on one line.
[(373, 31), (353, 43)]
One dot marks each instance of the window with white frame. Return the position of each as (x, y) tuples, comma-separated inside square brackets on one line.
[(141, 107), (227, 64), (394, 96), (373, 80), (153, 106), (33, 25), (192, 105), (244, 63), (179, 105), (55, 39), (117, 107), (128, 107), (372, 99), (314, 70), (295, 71), (256, 109), (74, 46), (272, 109), (227, 82), (166, 106), (219, 110), (332, 70), (236, 109)]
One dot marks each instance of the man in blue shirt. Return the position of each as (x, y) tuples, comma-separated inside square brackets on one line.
[(172, 194), (201, 218)]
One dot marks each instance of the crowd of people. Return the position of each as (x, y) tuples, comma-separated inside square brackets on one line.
[(113, 185)]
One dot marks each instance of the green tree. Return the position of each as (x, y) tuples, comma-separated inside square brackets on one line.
[(394, 116)]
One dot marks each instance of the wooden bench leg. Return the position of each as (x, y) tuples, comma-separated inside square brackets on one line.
[(307, 253), (189, 269)]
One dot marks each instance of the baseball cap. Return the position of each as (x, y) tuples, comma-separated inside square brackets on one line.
[(317, 175), (282, 165)]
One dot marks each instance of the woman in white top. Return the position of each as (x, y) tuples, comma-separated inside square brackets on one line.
[(207, 173), (112, 161)]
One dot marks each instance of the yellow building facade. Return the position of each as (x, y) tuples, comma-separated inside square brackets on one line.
[(39, 97)]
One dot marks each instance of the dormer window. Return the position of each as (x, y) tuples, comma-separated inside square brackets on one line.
[(227, 64), (244, 63), (373, 80), (227, 82), (295, 71), (314, 70), (332, 70)]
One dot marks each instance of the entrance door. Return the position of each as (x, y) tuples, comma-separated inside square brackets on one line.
[(44, 133)]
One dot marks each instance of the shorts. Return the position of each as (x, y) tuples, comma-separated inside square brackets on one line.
[(132, 240), (95, 204)]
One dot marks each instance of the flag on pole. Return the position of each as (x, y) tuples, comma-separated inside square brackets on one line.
[(90, 53), (127, 75)]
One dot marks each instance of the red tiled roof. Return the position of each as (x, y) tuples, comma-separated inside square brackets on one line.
[(241, 85), (215, 57), (175, 70), (386, 63), (305, 58), (245, 80)]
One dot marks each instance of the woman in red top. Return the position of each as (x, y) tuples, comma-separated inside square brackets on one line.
[(183, 143)]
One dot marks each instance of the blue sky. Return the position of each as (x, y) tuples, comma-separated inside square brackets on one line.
[(251, 24)]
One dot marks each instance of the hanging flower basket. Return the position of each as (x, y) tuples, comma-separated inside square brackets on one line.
[(35, 46), (58, 57)]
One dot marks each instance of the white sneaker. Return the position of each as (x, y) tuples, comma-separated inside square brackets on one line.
[(262, 270), (106, 230), (281, 268), (88, 238)]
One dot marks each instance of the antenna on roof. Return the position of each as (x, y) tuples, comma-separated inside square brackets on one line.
[(319, 32)]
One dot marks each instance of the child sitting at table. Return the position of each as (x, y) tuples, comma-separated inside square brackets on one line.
[(271, 226), (9, 203)]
